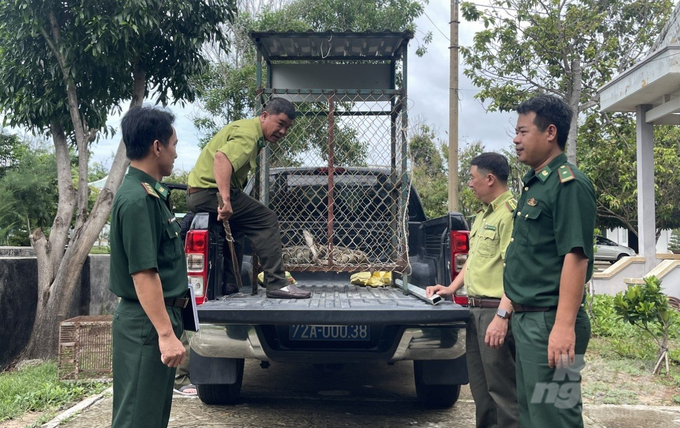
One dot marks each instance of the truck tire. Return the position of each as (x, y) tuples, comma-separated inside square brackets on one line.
[(222, 393), (440, 396)]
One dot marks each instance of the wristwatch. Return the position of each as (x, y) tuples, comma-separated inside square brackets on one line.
[(502, 313)]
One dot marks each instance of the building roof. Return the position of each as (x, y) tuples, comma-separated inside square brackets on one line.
[(654, 81)]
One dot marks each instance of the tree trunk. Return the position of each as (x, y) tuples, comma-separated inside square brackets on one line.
[(59, 271)]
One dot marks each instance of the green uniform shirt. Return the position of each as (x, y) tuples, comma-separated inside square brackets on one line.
[(489, 237), (145, 235), (555, 214), (240, 142)]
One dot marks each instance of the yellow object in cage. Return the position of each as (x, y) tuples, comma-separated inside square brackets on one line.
[(372, 279), (289, 277)]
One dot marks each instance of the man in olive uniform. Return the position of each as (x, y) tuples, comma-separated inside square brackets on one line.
[(548, 261), (490, 346), (148, 272), (223, 167)]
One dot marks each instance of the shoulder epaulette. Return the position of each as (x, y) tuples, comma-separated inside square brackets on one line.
[(150, 190), (511, 205), (566, 174)]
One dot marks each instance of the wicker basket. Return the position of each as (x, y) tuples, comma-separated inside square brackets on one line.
[(85, 348)]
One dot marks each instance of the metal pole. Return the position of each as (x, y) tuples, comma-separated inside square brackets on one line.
[(453, 109)]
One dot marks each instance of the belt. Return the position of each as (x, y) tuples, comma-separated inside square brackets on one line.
[(191, 190), (478, 302), (527, 308), (177, 302)]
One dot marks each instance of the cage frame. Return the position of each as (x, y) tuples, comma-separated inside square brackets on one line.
[(332, 49)]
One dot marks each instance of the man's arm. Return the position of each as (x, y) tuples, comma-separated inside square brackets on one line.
[(223, 170), (562, 338), (455, 285), (150, 295), (498, 327)]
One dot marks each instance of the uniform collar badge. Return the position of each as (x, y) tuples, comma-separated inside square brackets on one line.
[(532, 202), (161, 189)]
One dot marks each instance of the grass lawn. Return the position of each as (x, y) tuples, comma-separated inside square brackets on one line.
[(35, 388)]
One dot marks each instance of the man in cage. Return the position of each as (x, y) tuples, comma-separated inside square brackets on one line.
[(222, 168)]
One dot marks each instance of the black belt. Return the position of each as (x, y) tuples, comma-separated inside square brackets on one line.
[(191, 190), (177, 302), (527, 308), (483, 302)]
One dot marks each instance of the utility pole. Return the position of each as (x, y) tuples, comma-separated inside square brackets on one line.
[(453, 109)]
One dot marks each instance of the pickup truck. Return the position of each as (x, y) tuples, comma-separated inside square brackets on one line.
[(341, 323)]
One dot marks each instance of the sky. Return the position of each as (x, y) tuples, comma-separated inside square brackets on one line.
[(428, 87)]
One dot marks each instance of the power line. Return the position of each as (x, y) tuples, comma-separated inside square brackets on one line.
[(435, 26)]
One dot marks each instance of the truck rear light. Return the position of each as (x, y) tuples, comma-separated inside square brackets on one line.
[(199, 289), (460, 245), (195, 262), (196, 250)]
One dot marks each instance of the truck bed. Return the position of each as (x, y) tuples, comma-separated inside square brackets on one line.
[(334, 301)]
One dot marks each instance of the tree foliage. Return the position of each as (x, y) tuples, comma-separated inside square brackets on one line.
[(608, 157), (428, 171), (646, 307), (29, 194), (568, 48), (65, 65)]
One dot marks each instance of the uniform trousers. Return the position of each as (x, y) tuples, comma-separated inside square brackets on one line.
[(491, 373), (548, 397), (253, 221), (142, 384)]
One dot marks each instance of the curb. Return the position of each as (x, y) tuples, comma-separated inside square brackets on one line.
[(54, 423)]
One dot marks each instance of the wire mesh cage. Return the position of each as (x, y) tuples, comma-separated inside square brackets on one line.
[(336, 181), (85, 348)]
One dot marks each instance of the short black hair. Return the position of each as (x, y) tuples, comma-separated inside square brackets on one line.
[(141, 126), (280, 105), (549, 110), (494, 163)]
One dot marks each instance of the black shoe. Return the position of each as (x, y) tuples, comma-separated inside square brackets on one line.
[(289, 292)]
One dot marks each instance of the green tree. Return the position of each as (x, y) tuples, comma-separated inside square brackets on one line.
[(29, 194), (468, 204), (608, 156), (65, 65), (646, 307), (568, 48), (428, 172), (11, 150)]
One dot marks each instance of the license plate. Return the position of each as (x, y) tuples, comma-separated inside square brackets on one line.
[(329, 332)]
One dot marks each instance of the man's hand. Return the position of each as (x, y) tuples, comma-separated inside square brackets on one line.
[(224, 212), (172, 350), (495, 333), (438, 289), (561, 346)]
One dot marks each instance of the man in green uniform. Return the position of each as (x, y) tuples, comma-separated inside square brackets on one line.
[(490, 346), (148, 272), (223, 167), (548, 261)]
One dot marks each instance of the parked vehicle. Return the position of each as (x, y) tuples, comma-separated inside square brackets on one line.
[(337, 216), (608, 250), (341, 323)]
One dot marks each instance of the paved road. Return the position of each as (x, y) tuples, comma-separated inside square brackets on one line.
[(355, 396)]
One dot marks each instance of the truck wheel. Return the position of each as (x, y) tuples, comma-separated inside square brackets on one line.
[(434, 396), (222, 393)]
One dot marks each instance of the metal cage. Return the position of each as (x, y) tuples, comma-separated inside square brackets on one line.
[(343, 206)]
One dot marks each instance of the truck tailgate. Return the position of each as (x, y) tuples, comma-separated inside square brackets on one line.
[(331, 303)]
